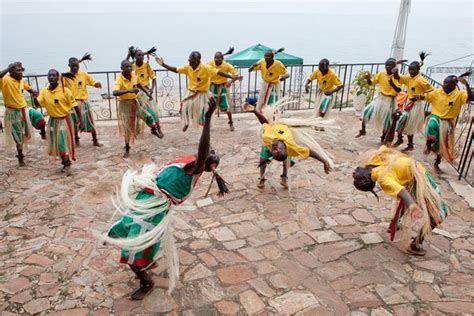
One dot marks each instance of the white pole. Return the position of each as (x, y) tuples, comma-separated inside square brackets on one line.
[(399, 35)]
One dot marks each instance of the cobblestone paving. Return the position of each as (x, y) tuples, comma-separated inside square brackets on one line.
[(321, 249)]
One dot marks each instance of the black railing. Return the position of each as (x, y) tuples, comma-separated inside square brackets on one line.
[(171, 90)]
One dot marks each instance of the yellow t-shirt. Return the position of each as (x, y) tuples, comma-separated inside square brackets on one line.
[(57, 102), (199, 79), (78, 85), (144, 73), (398, 177), (446, 106), (382, 79), (122, 83), (416, 85), (224, 67), (272, 74), (282, 132), (326, 82), (13, 92)]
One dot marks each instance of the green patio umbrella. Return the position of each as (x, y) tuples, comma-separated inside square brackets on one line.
[(251, 55)]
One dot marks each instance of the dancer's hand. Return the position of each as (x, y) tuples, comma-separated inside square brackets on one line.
[(98, 85), (237, 77), (328, 93), (248, 107), (463, 81), (327, 167), (368, 76), (212, 107), (415, 211), (159, 60), (306, 88), (134, 90)]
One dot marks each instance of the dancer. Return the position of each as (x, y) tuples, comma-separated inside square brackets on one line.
[(220, 85), (77, 82), (328, 84), (126, 87), (416, 192), (281, 142), (194, 104), (146, 200), (413, 115), (380, 111), (58, 101), (272, 71), (19, 119), (440, 126), (149, 111)]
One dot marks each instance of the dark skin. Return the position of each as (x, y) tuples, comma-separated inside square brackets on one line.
[(269, 60), (279, 147), (194, 61), (323, 66), (204, 159), (139, 59)]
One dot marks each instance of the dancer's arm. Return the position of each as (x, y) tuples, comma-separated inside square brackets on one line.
[(117, 93), (251, 109), (161, 62), (410, 203), (394, 86), (148, 93), (327, 166), (284, 77), (205, 141), (468, 89), (153, 86), (330, 92)]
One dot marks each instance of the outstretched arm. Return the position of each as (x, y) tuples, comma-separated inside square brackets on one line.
[(161, 62), (468, 89), (284, 77), (394, 86), (253, 67), (251, 109), (205, 141), (327, 166), (410, 203)]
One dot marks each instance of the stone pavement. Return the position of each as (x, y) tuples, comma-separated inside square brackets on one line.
[(321, 249)]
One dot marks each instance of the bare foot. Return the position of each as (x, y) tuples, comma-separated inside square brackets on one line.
[(142, 291), (261, 183), (361, 133), (284, 182), (97, 144)]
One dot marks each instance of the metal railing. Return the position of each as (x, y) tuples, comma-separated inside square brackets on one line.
[(171, 88)]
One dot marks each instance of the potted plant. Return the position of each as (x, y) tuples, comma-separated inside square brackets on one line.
[(361, 90)]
